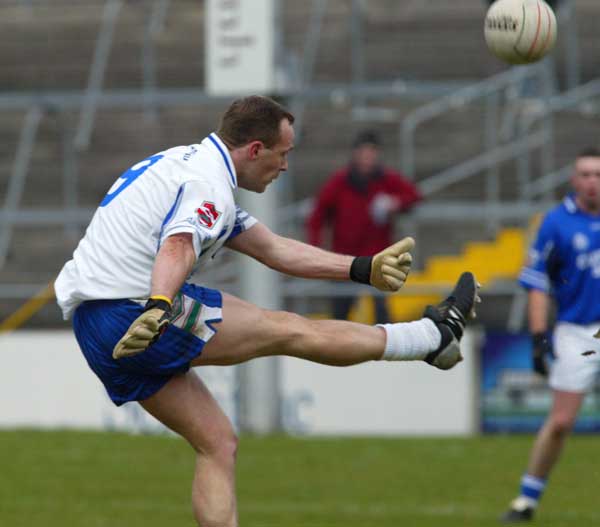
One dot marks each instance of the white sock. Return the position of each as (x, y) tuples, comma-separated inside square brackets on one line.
[(523, 502), (410, 340)]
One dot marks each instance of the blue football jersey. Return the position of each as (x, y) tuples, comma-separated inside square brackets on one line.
[(564, 261)]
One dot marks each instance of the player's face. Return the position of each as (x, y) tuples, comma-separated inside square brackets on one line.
[(586, 182), (267, 163)]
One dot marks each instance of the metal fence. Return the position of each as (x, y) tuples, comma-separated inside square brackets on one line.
[(509, 133)]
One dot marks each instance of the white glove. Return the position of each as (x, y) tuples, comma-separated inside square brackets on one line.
[(380, 208)]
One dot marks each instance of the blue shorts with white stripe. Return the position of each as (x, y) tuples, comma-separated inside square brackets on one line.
[(99, 324)]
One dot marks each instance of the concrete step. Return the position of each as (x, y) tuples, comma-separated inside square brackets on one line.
[(49, 47), (37, 252), (117, 143)]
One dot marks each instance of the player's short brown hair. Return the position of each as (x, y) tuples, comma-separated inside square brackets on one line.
[(589, 151), (252, 118)]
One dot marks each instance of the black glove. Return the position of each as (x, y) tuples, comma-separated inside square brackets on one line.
[(542, 352)]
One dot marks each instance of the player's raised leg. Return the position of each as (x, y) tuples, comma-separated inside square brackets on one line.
[(248, 332), (186, 406)]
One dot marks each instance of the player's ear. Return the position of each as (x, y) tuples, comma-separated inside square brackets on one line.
[(254, 148), (573, 178)]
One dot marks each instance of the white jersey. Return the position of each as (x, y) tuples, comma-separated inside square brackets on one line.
[(183, 189)]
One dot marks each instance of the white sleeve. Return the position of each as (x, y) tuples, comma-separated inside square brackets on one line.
[(243, 221), (196, 211)]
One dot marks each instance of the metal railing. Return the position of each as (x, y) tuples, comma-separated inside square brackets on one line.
[(302, 92), (569, 31), (489, 90), (16, 184), (155, 26), (110, 17), (544, 112)]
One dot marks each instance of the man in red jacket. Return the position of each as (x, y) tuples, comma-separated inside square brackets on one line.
[(359, 202)]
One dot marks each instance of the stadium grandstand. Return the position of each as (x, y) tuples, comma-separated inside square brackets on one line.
[(481, 140), (90, 87)]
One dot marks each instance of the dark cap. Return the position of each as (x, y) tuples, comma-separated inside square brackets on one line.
[(366, 137)]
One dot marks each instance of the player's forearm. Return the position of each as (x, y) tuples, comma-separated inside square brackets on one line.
[(300, 259), (173, 265), (538, 306)]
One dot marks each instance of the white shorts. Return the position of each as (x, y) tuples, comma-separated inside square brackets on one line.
[(577, 357)]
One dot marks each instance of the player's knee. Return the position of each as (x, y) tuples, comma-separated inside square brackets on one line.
[(562, 424), (288, 329), (224, 448), (227, 449), (303, 334), (221, 443), (294, 334)]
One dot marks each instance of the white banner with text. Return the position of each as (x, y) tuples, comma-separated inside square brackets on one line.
[(46, 383)]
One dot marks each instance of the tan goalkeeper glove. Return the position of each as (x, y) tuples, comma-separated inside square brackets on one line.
[(388, 269), (146, 329)]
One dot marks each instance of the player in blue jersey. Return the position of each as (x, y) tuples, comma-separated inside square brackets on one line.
[(563, 264), (141, 326)]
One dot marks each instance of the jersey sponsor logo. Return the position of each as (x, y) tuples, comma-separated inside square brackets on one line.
[(208, 214), (589, 261), (580, 242)]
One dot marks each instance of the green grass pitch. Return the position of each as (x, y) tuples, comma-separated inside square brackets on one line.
[(108, 479)]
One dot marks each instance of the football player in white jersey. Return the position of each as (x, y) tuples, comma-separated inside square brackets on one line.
[(141, 326)]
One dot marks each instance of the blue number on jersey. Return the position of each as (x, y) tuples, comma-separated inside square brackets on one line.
[(127, 178)]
